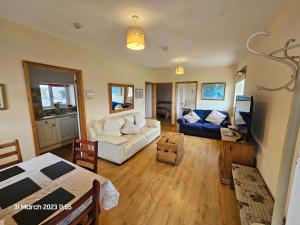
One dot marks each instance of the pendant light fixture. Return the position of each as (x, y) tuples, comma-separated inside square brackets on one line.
[(179, 69), (135, 36)]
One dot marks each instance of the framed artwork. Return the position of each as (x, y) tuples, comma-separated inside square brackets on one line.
[(139, 93), (213, 91), (3, 103)]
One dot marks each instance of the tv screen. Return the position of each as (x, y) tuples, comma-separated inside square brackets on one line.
[(243, 114)]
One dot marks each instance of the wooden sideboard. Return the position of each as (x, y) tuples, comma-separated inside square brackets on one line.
[(233, 152)]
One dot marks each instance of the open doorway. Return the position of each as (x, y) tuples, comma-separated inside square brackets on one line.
[(150, 100), (164, 92), (186, 97), (56, 104)]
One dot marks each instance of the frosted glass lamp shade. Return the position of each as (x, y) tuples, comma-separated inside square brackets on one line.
[(135, 38)]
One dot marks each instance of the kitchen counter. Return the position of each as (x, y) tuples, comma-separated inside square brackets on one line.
[(56, 116)]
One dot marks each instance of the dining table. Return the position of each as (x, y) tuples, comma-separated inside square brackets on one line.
[(76, 181)]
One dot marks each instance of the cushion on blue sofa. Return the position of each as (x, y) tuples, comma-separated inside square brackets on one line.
[(197, 125), (210, 126)]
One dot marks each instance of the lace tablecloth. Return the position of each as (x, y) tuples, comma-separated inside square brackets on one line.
[(77, 182)]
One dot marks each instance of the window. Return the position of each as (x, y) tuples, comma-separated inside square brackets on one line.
[(239, 89), (59, 94), (55, 93), (45, 95), (129, 91)]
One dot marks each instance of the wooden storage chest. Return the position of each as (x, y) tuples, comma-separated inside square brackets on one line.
[(170, 148)]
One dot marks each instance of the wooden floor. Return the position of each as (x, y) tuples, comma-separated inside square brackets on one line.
[(156, 193)]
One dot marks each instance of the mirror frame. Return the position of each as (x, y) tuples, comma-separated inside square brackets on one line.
[(4, 100), (110, 85)]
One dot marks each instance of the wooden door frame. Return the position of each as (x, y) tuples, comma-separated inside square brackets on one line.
[(173, 118), (176, 93), (80, 98), (153, 97)]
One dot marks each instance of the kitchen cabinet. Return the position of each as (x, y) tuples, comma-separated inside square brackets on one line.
[(48, 133), (68, 127), (57, 131)]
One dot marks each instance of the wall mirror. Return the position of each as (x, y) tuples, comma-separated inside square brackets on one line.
[(121, 97), (3, 104)]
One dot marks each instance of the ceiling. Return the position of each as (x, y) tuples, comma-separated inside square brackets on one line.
[(202, 33)]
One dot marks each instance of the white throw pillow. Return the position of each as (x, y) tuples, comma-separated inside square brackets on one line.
[(216, 117), (238, 120), (119, 120), (111, 127), (192, 117), (139, 120), (130, 128), (129, 117)]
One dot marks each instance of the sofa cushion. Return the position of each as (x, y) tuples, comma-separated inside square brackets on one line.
[(148, 131), (192, 117), (130, 128), (119, 120), (153, 123), (210, 127), (139, 120), (197, 125), (135, 142), (129, 117), (111, 127), (113, 140), (98, 126), (216, 117)]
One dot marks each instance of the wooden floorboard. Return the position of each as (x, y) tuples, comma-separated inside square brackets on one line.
[(156, 193)]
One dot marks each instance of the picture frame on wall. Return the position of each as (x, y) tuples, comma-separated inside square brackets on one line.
[(3, 102), (213, 91), (138, 93)]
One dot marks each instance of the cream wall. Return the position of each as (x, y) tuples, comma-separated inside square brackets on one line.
[(218, 74), (22, 43), (271, 110)]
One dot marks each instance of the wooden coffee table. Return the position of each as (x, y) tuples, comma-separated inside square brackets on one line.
[(170, 148)]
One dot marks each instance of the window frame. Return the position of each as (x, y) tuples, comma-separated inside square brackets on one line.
[(235, 94)]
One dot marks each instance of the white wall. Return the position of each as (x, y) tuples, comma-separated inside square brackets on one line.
[(218, 74), (38, 75), (22, 43), (148, 100), (271, 111)]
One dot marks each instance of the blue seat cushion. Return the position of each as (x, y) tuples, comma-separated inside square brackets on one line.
[(210, 127), (196, 125)]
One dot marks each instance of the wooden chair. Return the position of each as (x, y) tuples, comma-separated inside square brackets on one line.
[(17, 152), (91, 213), (86, 151)]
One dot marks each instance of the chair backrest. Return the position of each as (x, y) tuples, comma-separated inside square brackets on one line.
[(16, 152), (90, 215), (87, 151)]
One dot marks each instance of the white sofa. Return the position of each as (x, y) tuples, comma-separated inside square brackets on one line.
[(120, 148)]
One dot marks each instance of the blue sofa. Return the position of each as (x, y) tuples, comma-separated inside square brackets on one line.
[(202, 128)]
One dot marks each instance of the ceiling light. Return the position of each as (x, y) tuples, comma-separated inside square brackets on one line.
[(179, 69), (135, 36)]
